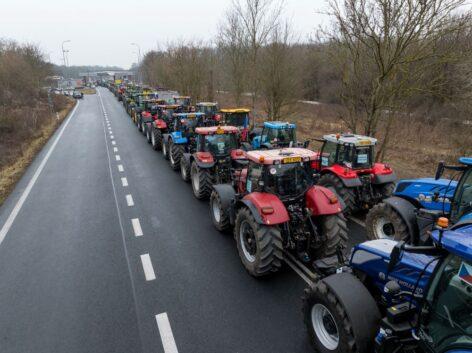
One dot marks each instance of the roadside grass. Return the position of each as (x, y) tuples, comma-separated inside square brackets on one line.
[(20, 155), (416, 144)]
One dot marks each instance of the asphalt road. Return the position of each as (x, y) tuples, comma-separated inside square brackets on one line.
[(103, 248)]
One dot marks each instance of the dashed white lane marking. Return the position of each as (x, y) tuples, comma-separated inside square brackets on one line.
[(147, 267), (110, 132), (19, 204), (165, 331), (120, 168), (113, 142), (117, 157), (138, 231), (109, 128), (115, 149), (112, 137), (124, 181), (129, 200)]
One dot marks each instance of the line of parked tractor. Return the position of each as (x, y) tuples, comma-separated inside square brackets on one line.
[(407, 289)]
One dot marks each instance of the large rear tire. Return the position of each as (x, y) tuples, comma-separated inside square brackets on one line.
[(175, 154), (259, 246), (148, 134), (334, 229), (165, 151), (347, 195), (156, 139), (345, 321), (383, 222), (201, 181), (219, 215), (184, 170)]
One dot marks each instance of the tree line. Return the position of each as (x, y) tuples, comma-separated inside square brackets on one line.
[(378, 61)]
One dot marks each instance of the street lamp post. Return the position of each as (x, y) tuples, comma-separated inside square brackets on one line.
[(139, 61), (64, 52)]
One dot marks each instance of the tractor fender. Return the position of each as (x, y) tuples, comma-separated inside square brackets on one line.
[(258, 202), (204, 160), (384, 178), (322, 201), (407, 211), (226, 194), (351, 180)]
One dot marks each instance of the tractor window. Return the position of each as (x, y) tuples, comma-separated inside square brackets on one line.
[(362, 157), (279, 136), (220, 144), (289, 179), (463, 201), (328, 154), (254, 177), (237, 119), (450, 305)]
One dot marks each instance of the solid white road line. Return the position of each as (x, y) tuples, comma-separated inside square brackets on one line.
[(120, 168), (165, 331), (147, 267), (19, 204), (117, 157), (124, 181), (115, 149), (138, 231), (129, 200)]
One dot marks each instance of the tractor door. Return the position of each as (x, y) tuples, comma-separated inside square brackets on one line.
[(446, 320), (254, 176), (462, 202), (328, 154)]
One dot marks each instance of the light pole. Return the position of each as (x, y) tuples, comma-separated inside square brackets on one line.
[(64, 52), (139, 60)]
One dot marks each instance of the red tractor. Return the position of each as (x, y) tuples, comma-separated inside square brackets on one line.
[(346, 166), (161, 125), (275, 207), (214, 159)]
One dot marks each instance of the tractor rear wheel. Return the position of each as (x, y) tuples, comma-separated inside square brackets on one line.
[(383, 222), (164, 148), (156, 139), (201, 181), (341, 320), (184, 170), (148, 134), (143, 127), (346, 195), (175, 154), (219, 215), (334, 230), (138, 123), (259, 246)]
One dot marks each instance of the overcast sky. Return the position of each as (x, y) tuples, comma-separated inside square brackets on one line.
[(101, 30)]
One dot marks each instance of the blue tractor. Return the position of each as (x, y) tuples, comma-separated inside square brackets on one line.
[(275, 134), (393, 297), (181, 137), (410, 213)]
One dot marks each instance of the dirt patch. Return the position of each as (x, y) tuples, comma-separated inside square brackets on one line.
[(20, 155)]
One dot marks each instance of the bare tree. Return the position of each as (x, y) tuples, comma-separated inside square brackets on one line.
[(384, 49)]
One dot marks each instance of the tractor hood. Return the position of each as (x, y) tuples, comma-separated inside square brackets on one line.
[(423, 190), (458, 240), (372, 258)]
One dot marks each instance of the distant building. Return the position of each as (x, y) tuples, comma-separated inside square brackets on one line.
[(88, 77)]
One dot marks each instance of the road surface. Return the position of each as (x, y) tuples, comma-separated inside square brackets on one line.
[(105, 249)]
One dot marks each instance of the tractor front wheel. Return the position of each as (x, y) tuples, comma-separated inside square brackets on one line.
[(346, 195), (175, 154), (340, 320), (143, 127), (148, 134), (201, 181), (259, 246), (184, 170), (383, 222), (219, 215), (334, 230)]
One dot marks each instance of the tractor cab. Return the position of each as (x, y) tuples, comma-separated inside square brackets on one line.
[(275, 134), (184, 101), (238, 117), (217, 142), (348, 150), (210, 109)]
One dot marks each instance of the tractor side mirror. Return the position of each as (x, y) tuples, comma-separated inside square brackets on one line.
[(306, 144), (395, 255), (440, 170)]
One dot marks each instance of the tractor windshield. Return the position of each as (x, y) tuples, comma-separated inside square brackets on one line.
[(220, 145), (463, 199), (208, 109), (449, 306), (358, 157), (280, 137), (288, 180), (237, 119)]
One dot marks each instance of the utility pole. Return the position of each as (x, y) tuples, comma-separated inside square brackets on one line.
[(139, 61), (64, 53)]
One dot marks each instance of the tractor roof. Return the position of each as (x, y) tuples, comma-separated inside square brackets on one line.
[(279, 125), (169, 106), (207, 104), (235, 110), (211, 130), (282, 155), (189, 115), (457, 241), (466, 160), (351, 139)]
